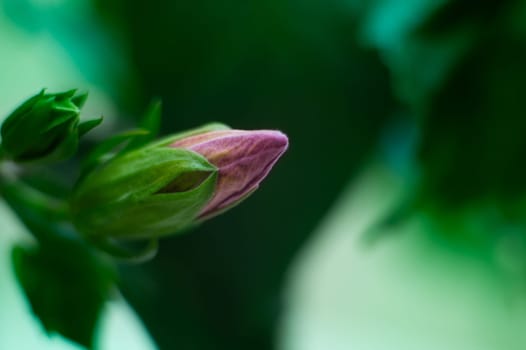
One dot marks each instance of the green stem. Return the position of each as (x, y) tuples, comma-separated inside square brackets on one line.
[(21, 196)]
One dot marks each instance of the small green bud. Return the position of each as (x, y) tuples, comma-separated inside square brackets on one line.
[(45, 128)]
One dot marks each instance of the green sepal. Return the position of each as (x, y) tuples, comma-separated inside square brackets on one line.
[(66, 95), (65, 117), (107, 149), (80, 99), (64, 150), (155, 216), (151, 122), (88, 125), (200, 130), (22, 109), (149, 192)]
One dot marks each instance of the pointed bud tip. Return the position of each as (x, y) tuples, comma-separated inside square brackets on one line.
[(244, 158), (282, 141), (279, 139)]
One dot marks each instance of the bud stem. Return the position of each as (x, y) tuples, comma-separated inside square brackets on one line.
[(18, 194)]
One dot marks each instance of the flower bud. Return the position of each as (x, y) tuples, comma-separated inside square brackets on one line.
[(44, 129), (243, 158), (166, 186)]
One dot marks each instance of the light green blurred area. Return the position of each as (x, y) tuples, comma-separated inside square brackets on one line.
[(416, 286), (35, 58)]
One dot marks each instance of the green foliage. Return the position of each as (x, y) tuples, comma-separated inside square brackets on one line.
[(474, 130), (460, 70)]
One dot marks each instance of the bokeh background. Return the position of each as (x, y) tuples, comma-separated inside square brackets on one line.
[(397, 218)]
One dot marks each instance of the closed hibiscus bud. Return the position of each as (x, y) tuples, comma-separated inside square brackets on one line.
[(243, 158), (45, 128), (163, 187)]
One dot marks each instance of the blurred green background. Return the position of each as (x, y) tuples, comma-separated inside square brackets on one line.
[(431, 92)]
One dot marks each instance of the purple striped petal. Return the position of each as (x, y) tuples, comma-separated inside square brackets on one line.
[(244, 159)]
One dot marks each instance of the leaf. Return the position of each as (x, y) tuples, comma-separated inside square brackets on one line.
[(65, 285)]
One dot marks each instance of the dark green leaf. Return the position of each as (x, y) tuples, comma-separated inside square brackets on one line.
[(66, 286)]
